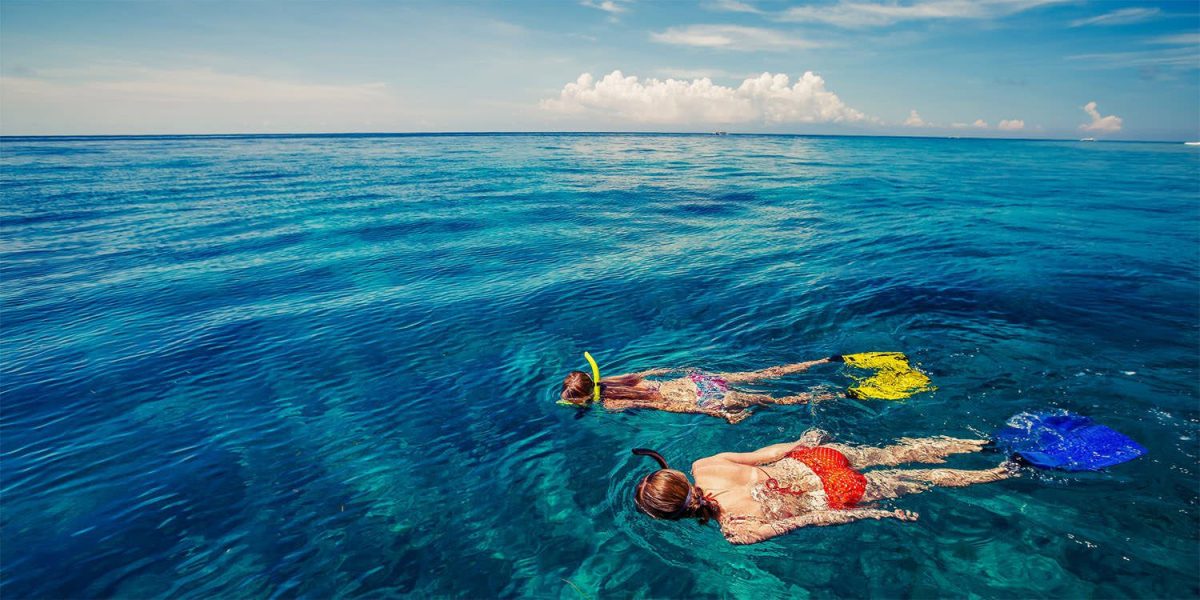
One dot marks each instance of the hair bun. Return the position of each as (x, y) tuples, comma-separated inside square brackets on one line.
[(703, 505)]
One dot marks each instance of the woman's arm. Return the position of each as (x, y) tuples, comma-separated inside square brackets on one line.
[(619, 405), (758, 457), (651, 372), (752, 531), (733, 417), (771, 372), (675, 407)]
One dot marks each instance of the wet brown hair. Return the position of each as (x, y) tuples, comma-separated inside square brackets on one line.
[(667, 494), (577, 388)]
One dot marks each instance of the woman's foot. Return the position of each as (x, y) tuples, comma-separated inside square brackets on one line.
[(1010, 467)]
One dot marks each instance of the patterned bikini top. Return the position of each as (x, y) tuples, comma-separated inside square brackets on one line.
[(793, 473)]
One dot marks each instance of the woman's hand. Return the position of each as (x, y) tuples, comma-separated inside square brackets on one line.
[(737, 417), (812, 438)]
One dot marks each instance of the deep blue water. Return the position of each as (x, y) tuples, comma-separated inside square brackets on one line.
[(326, 366)]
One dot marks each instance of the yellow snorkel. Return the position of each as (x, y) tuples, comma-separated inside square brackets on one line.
[(595, 376), (595, 382)]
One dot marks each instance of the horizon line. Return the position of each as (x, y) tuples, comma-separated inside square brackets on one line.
[(65, 136)]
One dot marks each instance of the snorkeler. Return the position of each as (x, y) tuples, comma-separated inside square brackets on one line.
[(756, 496), (697, 392)]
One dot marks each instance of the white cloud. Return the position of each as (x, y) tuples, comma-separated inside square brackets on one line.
[(731, 37), (1011, 125), (608, 6), (978, 124), (1182, 39), (127, 99), (733, 6), (1182, 53), (914, 120), (1123, 16), (1179, 57), (1099, 124), (857, 13), (767, 98)]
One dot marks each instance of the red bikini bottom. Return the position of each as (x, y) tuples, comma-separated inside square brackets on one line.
[(844, 486)]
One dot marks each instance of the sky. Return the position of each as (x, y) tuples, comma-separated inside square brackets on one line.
[(972, 68)]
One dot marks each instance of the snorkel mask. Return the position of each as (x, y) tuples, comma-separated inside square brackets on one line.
[(595, 384)]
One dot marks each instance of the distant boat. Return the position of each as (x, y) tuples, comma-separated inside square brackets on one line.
[(1087, 139), (720, 133), (1191, 143)]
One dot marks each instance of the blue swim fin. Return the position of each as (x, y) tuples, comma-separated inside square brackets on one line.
[(1065, 441)]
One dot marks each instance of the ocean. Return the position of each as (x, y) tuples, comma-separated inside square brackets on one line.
[(327, 366)]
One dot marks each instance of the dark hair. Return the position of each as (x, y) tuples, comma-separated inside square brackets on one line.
[(667, 494), (577, 388)]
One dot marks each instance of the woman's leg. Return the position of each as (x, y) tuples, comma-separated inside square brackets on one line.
[(892, 483), (771, 372), (741, 399), (803, 398), (909, 450)]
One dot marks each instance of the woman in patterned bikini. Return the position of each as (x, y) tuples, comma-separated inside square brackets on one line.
[(759, 495), (711, 394)]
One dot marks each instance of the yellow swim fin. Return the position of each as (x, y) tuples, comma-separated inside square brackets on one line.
[(894, 378)]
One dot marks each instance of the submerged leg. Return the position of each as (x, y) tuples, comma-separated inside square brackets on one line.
[(771, 372), (743, 399), (909, 450), (892, 483), (803, 398)]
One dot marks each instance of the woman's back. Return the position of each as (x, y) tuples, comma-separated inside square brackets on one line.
[(781, 489)]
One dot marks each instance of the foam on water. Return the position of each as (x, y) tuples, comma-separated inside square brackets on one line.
[(327, 366)]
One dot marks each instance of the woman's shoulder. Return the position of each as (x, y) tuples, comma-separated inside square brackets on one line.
[(729, 472), (715, 473), (716, 464)]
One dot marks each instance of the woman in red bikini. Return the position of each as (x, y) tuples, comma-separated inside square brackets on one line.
[(759, 495), (697, 392)]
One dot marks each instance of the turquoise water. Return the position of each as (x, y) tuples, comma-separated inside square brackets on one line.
[(326, 366)]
